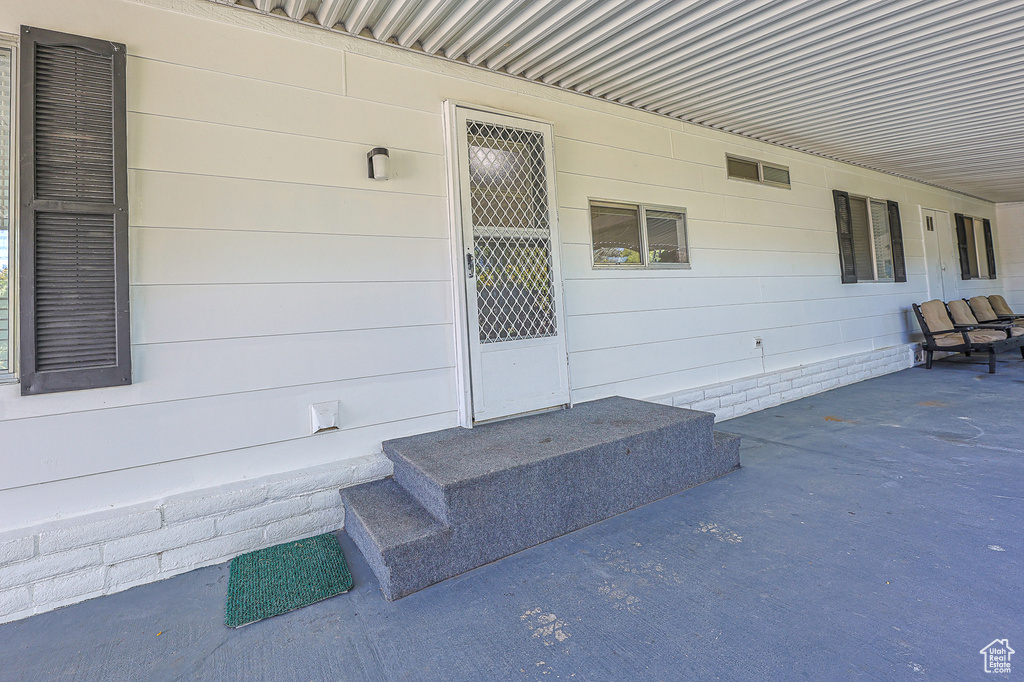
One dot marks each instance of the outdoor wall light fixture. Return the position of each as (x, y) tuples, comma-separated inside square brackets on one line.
[(378, 163)]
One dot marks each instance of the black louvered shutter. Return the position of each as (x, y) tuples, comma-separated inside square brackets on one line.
[(990, 249), (74, 224), (961, 245), (899, 261), (844, 228)]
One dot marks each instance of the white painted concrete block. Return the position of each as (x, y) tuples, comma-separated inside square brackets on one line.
[(733, 399), (96, 528), (325, 521), (129, 573), (723, 413), (717, 391), (321, 478), (15, 601), (216, 549), (49, 566), (743, 386), (792, 394), (371, 468), (707, 405), (16, 547), (759, 392), (325, 499), (800, 382), (688, 398), (169, 537), (67, 587), (212, 502), (259, 517)]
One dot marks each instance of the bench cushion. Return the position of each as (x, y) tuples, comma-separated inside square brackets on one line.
[(935, 316), (999, 305), (961, 312), (978, 336), (982, 309)]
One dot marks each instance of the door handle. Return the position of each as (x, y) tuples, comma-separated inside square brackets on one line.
[(469, 266)]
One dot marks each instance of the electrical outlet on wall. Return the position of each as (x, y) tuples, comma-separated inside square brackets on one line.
[(758, 342), (324, 416)]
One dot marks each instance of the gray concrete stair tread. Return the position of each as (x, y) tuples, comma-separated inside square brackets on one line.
[(389, 514), (457, 455)]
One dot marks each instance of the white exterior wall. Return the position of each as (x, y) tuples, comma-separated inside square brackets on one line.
[(269, 273), (1010, 218)]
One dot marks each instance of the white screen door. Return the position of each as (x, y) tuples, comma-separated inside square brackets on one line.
[(517, 353)]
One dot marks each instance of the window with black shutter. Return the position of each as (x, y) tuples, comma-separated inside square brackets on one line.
[(975, 247), (73, 234), (870, 239)]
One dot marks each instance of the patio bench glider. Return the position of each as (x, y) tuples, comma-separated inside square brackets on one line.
[(942, 334)]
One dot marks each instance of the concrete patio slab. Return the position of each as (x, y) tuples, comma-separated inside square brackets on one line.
[(875, 532)]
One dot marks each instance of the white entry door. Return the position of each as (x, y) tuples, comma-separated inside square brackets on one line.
[(941, 273), (517, 352)]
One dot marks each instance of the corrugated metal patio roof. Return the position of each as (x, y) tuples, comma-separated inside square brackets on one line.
[(927, 89)]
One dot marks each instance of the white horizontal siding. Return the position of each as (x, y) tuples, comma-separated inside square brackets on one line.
[(156, 87), (168, 313), (202, 256), (156, 432), (1010, 224), (201, 148), (268, 206)]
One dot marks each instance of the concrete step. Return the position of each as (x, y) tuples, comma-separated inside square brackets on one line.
[(391, 528), (471, 496)]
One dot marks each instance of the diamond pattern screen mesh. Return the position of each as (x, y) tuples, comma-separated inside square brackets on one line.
[(511, 233)]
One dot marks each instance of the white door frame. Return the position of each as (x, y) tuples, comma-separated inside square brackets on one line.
[(460, 308)]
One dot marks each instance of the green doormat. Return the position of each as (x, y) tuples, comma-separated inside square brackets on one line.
[(279, 579)]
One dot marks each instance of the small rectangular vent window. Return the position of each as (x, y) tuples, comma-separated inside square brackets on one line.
[(742, 169), (752, 170), (775, 175)]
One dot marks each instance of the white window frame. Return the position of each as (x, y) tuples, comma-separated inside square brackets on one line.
[(871, 242), (10, 42), (644, 247), (760, 172)]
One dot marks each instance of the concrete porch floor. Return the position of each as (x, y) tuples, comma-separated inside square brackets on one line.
[(875, 532)]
